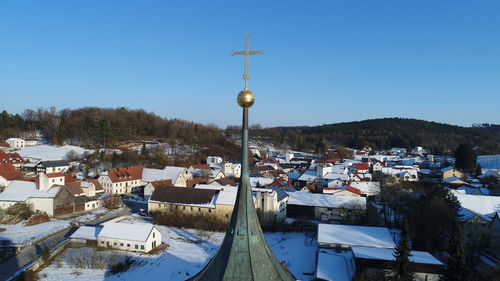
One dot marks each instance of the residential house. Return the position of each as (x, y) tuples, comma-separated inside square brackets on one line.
[(137, 237), (8, 173), (16, 143), (41, 195), (151, 186), (121, 180), (11, 157), (348, 247), (217, 201), (48, 167), (449, 172), (178, 175), (324, 207)]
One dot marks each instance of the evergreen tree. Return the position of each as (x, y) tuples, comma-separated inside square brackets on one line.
[(479, 170), (466, 158), (457, 268), (402, 253)]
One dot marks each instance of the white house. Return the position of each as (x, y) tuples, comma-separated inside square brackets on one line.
[(49, 167), (129, 237), (178, 175), (121, 180), (16, 143), (214, 160)]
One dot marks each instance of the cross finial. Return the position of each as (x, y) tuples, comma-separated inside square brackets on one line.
[(246, 53)]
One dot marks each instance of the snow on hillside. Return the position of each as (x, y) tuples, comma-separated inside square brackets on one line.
[(50, 152), (187, 253)]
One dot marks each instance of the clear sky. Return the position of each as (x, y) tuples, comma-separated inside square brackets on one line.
[(324, 61)]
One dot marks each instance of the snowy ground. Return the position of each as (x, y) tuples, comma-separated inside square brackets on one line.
[(51, 152), (18, 234), (187, 253)]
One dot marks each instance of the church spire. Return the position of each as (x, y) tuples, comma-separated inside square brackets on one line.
[(244, 253)]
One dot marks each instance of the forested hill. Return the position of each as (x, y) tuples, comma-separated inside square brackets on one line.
[(93, 127), (386, 133)]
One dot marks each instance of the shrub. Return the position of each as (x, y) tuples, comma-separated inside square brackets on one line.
[(197, 221)]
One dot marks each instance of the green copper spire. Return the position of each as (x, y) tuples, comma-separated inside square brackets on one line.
[(244, 253)]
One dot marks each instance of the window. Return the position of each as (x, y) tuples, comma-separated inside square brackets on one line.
[(136, 246), (121, 244), (153, 235), (184, 208), (227, 215), (114, 243), (102, 242), (199, 209), (209, 210), (128, 245), (142, 247), (191, 208)]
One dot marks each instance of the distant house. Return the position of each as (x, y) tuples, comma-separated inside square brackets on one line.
[(449, 172), (343, 248), (377, 167), (324, 207), (129, 237), (88, 192), (41, 195), (11, 157), (48, 167), (16, 143), (121, 180), (178, 175), (151, 186), (217, 201), (8, 173)]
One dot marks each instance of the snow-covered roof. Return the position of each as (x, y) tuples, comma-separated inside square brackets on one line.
[(447, 169), (335, 266), (169, 173), (334, 176), (261, 180), (354, 235), (482, 205), (308, 176), (367, 187), (126, 231), (305, 198), (86, 232), (21, 190), (387, 254)]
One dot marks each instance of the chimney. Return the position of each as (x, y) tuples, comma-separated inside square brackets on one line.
[(43, 182)]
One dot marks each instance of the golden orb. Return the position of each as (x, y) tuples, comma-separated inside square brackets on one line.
[(246, 98)]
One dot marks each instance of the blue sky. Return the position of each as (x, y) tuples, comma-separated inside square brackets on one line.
[(324, 61)]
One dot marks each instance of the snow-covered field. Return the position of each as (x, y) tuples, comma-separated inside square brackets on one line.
[(18, 234), (187, 253), (51, 152)]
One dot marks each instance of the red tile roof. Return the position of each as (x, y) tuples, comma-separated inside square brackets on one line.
[(201, 166), (361, 166), (13, 157), (9, 172), (125, 174), (3, 144), (69, 178), (98, 186)]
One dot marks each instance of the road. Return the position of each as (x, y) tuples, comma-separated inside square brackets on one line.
[(30, 253)]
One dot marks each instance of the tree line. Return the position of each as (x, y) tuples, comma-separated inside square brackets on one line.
[(383, 133), (98, 127)]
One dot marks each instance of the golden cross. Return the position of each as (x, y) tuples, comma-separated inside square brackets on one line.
[(246, 52)]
